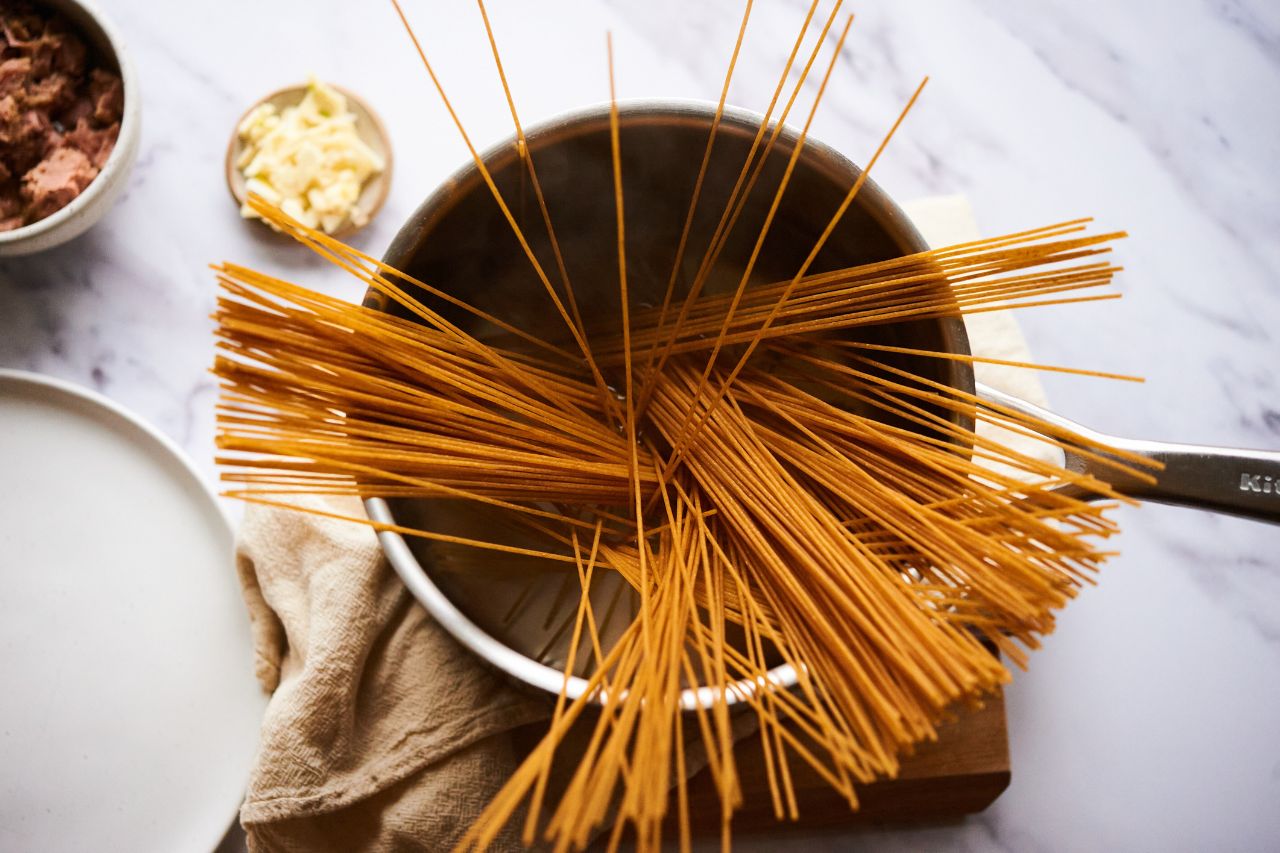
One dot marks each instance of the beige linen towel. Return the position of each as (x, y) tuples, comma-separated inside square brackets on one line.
[(382, 733), (367, 693)]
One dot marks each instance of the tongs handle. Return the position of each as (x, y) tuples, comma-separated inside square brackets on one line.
[(1219, 479)]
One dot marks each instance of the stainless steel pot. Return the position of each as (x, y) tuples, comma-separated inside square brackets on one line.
[(459, 241)]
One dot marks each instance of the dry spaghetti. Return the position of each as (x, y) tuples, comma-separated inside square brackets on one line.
[(773, 489)]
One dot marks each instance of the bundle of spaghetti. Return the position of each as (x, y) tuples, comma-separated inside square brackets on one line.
[(876, 559), (788, 498), (873, 558)]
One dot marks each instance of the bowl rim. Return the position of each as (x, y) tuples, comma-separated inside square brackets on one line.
[(402, 558), (380, 130), (120, 157)]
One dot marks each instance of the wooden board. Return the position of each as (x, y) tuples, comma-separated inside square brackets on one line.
[(961, 773)]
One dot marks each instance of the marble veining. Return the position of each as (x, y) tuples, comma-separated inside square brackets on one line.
[(1151, 720)]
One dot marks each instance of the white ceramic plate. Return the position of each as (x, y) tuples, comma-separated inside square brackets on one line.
[(128, 708)]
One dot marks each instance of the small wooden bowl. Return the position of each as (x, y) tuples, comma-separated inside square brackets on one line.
[(368, 127)]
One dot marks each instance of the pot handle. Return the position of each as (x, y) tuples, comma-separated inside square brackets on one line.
[(1226, 480)]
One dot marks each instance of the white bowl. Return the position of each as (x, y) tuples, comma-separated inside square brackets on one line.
[(88, 207)]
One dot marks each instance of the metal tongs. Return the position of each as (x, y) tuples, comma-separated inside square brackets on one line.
[(1219, 479)]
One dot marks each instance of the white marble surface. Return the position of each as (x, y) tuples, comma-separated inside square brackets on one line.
[(1151, 721)]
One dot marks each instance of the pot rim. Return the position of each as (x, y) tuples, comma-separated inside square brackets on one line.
[(405, 563)]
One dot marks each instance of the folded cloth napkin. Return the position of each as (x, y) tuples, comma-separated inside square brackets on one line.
[(382, 733)]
